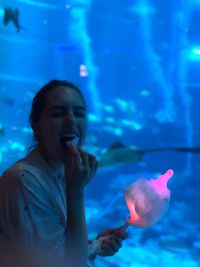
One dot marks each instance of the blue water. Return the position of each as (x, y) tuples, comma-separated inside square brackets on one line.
[(138, 63)]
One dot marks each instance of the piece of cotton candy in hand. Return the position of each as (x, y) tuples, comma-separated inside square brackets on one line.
[(75, 141), (147, 200), (67, 141)]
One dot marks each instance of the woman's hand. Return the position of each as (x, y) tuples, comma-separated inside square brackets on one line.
[(107, 243), (111, 241), (80, 167)]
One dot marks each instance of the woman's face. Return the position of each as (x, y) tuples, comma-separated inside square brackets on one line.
[(64, 116)]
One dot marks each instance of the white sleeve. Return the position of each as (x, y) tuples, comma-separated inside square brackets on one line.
[(94, 247)]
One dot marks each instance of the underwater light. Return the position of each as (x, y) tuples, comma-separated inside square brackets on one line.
[(38, 4), (195, 53), (110, 120), (83, 71), (2, 150), (114, 130), (93, 117), (118, 131), (17, 146), (122, 104), (136, 126), (2, 12), (27, 130), (67, 6), (144, 9)]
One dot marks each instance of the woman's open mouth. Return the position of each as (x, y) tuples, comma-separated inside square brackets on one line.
[(67, 139)]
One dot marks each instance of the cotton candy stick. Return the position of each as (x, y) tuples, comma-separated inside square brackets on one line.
[(147, 200)]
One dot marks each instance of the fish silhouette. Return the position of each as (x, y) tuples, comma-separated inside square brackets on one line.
[(119, 154), (7, 101), (66, 47), (2, 131), (12, 15)]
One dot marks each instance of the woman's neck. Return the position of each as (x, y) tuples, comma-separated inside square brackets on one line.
[(55, 165)]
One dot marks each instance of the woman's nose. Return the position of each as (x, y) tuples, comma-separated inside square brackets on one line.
[(70, 117)]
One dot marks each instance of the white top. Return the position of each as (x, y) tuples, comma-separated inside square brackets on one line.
[(33, 204)]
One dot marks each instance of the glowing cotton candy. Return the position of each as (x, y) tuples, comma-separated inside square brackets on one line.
[(148, 200)]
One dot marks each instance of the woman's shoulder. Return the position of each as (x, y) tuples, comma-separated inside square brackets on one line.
[(22, 175), (23, 167), (10, 178), (30, 172), (13, 172)]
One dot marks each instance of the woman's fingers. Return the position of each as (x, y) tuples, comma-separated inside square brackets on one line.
[(89, 162), (73, 155), (107, 250), (114, 231), (80, 165), (93, 164), (110, 246), (84, 158), (114, 241)]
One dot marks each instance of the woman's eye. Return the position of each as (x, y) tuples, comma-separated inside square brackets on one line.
[(79, 114), (58, 113), (63, 112)]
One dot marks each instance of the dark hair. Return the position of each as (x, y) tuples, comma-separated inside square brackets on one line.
[(39, 100)]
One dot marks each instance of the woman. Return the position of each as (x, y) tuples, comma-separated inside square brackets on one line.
[(42, 195)]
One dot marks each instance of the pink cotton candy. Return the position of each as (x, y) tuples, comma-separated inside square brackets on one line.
[(147, 200), (160, 184)]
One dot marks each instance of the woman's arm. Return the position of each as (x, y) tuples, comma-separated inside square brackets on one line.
[(76, 233), (80, 167)]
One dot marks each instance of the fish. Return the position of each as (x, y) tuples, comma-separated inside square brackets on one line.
[(12, 15), (2, 131), (119, 154), (8, 101), (65, 47), (38, 4)]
